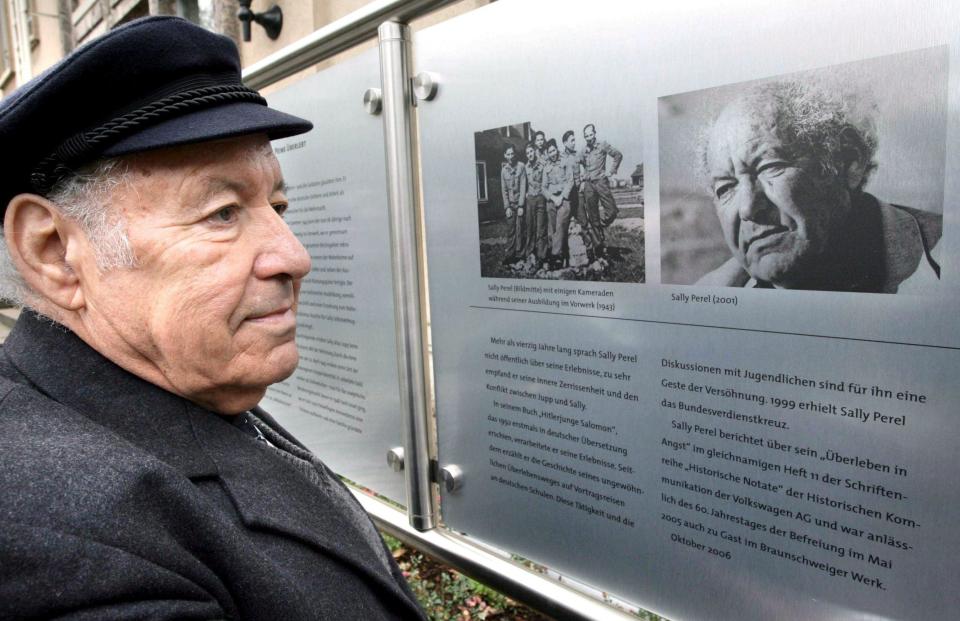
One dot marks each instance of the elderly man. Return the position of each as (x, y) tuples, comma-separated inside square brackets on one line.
[(787, 164), (145, 229)]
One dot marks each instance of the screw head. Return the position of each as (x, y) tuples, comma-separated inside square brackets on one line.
[(395, 458), (425, 86), (372, 101), (452, 477)]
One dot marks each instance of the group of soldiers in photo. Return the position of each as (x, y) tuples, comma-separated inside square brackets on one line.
[(558, 203)]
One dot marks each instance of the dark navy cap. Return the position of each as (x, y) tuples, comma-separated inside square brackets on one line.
[(155, 82)]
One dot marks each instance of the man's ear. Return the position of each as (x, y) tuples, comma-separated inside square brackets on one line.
[(44, 246)]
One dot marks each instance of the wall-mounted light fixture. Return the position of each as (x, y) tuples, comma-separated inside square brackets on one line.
[(271, 19)]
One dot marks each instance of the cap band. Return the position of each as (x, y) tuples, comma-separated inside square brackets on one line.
[(80, 147)]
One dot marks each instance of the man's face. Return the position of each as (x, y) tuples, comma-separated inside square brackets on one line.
[(531, 154), (570, 143), (538, 140), (209, 310), (509, 155), (553, 153), (780, 214), (590, 135)]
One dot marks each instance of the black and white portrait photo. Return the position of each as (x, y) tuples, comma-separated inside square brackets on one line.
[(830, 179), (560, 202)]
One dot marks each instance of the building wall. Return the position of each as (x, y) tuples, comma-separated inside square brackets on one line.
[(49, 46), (302, 18), (57, 26)]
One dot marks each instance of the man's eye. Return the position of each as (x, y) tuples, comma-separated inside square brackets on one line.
[(225, 215), (723, 190), (772, 169), (280, 208)]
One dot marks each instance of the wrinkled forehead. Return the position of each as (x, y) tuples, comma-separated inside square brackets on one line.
[(744, 129), (198, 171), (196, 159)]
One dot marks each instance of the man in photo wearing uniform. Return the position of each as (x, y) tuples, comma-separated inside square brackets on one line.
[(513, 190), (536, 208), (143, 225), (570, 153), (558, 188), (787, 163), (599, 205), (591, 238)]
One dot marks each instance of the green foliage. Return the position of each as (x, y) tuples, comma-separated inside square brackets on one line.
[(447, 595), (393, 544)]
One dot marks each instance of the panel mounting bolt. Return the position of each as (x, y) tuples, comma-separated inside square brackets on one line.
[(372, 101), (452, 477), (395, 458), (425, 86)]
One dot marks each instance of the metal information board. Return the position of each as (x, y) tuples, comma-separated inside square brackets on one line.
[(343, 400), (700, 352)]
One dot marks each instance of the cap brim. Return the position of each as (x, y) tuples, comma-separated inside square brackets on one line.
[(223, 121)]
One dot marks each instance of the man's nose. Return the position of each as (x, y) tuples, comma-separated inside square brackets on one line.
[(754, 204), (281, 253)]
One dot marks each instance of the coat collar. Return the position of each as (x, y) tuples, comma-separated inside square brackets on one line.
[(267, 490), (274, 495), (909, 235)]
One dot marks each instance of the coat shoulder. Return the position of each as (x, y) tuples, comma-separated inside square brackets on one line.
[(78, 499), (62, 471), (42, 437)]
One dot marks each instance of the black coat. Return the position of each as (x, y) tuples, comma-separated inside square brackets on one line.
[(119, 500)]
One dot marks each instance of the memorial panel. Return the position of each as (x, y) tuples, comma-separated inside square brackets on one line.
[(343, 401), (721, 384)]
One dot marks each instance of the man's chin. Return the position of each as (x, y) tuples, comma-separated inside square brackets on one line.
[(272, 367), (246, 391), (284, 360)]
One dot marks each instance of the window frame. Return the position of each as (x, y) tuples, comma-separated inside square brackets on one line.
[(483, 190)]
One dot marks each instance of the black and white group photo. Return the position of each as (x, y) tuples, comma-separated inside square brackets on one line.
[(831, 179), (560, 203)]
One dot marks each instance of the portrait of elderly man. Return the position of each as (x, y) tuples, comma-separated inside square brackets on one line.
[(143, 225), (786, 165), (831, 178)]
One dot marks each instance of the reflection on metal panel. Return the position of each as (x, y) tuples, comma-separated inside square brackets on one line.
[(734, 449), (343, 400)]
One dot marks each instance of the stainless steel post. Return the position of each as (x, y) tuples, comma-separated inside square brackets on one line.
[(403, 194)]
